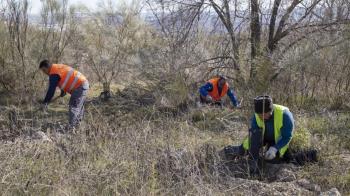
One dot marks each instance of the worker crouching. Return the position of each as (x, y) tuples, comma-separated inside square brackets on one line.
[(272, 127), (216, 88)]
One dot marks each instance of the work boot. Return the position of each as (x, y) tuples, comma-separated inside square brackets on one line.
[(232, 152), (305, 156)]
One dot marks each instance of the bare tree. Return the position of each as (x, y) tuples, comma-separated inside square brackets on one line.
[(224, 13), (293, 30), (195, 18), (111, 41), (285, 24), (24, 44), (178, 25), (58, 28), (17, 25), (255, 34)]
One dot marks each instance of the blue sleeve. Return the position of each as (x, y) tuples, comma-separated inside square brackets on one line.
[(53, 82), (286, 130), (203, 90), (232, 96), (253, 124)]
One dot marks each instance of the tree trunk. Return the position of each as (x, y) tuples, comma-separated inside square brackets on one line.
[(271, 44), (255, 34), (106, 94), (225, 17)]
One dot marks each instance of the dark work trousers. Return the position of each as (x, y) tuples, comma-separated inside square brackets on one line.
[(257, 142), (76, 105), (300, 157)]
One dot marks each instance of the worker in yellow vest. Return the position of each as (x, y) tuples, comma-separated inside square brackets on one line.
[(275, 123), (69, 81), (272, 126)]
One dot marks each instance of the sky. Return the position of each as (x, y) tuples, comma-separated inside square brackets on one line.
[(91, 4), (36, 4)]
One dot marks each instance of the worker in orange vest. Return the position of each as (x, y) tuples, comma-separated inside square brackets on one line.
[(214, 90), (69, 81)]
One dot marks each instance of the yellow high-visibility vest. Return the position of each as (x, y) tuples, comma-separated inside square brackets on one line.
[(278, 124)]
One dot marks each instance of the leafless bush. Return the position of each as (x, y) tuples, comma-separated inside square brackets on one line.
[(24, 45), (112, 40)]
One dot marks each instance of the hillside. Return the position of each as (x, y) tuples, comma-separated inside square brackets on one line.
[(128, 146), (122, 97)]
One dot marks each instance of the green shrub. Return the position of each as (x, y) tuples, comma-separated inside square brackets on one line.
[(176, 91), (301, 138), (317, 125), (208, 119)]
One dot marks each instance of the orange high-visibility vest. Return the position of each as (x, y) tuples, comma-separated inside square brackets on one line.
[(70, 79), (215, 92)]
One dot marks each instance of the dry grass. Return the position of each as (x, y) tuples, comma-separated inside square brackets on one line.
[(129, 147)]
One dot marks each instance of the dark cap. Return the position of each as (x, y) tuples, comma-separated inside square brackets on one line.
[(222, 77), (45, 63), (263, 104)]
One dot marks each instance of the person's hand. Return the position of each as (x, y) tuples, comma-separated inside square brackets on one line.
[(239, 106), (43, 107), (209, 98), (63, 93), (271, 153), (233, 107)]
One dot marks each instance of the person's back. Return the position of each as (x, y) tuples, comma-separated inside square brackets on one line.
[(70, 79)]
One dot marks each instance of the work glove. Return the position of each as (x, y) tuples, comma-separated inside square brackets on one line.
[(209, 98), (271, 153)]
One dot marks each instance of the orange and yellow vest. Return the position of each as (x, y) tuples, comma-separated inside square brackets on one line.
[(215, 92), (70, 79)]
